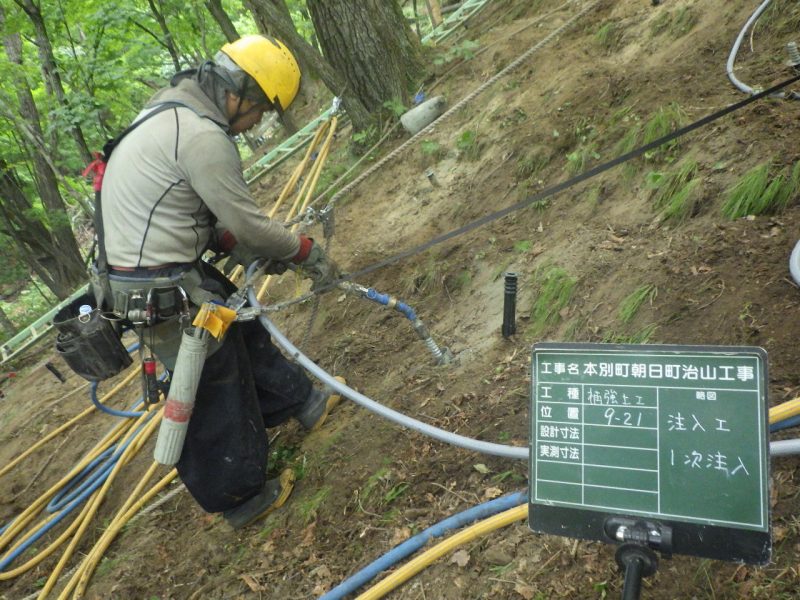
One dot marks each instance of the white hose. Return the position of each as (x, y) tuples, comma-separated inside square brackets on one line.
[(399, 418), (794, 263), (735, 50), (781, 448)]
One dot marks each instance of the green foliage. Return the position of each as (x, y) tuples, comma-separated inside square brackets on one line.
[(280, 455), (631, 304), (430, 148), (758, 193), (30, 304), (461, 280), (395, 492), (675, 191), (578, 159), (366, 137), (373, 482), (426, 279), (395, 106), (464, 51), (468, 146), (522, 246), (555, 291)]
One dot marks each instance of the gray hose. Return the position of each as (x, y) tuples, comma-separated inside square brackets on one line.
[(784, 447)]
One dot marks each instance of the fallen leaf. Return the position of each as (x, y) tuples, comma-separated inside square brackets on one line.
[(461, 558), (401, 534), (308, 535), (481, 468), (525, 591), (252, 583), (492, 492)]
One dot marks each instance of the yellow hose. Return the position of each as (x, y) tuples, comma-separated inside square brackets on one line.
[(89, 565), (35, 507), (413, 567), (784, 411), (306, 192), (290, 185), (94, 504), (298, 170), (66, 425)]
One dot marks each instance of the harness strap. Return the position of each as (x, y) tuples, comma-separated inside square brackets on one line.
[(98, 167)]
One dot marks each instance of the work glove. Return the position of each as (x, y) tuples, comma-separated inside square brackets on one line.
[(319, 267), (239, 254)]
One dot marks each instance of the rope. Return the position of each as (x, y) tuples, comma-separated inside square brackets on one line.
[(468, 98)]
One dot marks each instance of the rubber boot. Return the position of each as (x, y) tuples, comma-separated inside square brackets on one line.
[(318, 406), (271, 497)]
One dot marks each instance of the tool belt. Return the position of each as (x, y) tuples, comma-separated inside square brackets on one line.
[(89, 343), (146, 297)]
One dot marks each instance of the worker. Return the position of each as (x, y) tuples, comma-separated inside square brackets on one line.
[(172, 189)]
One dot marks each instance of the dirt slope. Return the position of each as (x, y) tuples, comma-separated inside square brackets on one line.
[(365, 484)]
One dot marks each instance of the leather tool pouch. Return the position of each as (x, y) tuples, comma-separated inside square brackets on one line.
[(90, 344)]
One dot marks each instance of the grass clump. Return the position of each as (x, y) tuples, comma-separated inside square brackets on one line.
[(531, 164), (307, 509), (675, 195), (631, 304), (758, 193), (555, 292), (586, 150), (665, 120), (432, 149), (468, 146), (676, 23), (426, 279), (642, 336), (609, 36)]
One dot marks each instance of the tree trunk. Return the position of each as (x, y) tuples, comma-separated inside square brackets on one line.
[(9, 329), (370, 43), (222, 18), (65, 263), (309, 58), (263, 21), (52, 77), (33, 240)]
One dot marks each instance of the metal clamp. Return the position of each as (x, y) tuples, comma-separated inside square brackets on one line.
[(326, 217)]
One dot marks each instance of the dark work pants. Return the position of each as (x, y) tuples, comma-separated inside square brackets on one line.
[(245, 385)]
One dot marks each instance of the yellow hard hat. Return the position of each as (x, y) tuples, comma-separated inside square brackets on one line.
[(270, 63)]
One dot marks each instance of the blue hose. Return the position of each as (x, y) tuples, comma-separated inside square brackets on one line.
[(411, 545), (785, 424), (385, 299), (75, 499), (109, 410)]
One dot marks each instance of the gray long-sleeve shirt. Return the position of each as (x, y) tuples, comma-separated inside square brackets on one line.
[(168, 179)]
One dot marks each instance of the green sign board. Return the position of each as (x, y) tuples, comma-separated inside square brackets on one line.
[(672, 434)]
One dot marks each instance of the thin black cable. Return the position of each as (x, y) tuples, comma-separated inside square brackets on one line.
[(546, 193)]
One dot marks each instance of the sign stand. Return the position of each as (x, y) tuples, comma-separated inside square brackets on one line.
[(635, 557)]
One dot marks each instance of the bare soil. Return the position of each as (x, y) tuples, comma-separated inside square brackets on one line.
[(367, 484)]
